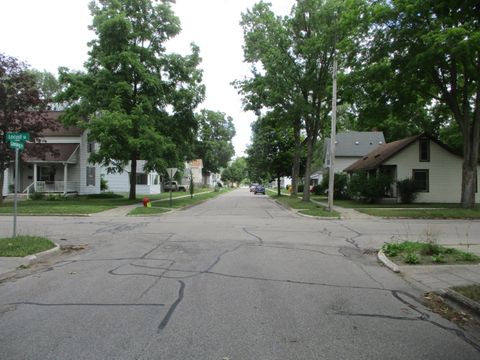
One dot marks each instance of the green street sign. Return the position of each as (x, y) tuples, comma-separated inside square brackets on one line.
[(16, 145), (19, 136)]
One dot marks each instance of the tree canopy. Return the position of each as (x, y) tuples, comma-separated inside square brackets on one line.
[(136, 100), (271, 151), (22, 108), (214, 142), (432, 49)]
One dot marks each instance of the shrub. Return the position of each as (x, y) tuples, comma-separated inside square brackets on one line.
[(340, 189), (106, 195), (318, 190), (300, 188), (367, 188), (36, 196), (411, 258), (438, 259), (103, 183), (407, 190)]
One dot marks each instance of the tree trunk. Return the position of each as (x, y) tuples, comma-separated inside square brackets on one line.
[(133, 179), (296, 157), (470, 162), (278, 185), (2, 173), (306, 184)]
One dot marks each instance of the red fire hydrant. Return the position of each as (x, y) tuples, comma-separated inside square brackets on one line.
[(146, 202)]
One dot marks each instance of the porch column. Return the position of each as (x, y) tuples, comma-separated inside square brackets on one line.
[(65, 173), (35, 177)]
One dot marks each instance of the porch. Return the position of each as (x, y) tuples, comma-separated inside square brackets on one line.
[(58, 173)]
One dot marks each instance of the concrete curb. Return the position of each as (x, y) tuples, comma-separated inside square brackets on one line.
[(32, 259), (459, 298), (387, 262)]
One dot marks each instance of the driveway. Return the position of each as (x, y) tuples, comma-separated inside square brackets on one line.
[(237, 277)]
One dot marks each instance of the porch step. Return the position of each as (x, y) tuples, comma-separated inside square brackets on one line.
[(20, 197)]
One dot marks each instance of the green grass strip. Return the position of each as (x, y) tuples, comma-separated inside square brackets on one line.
[(147, 211), (414, 252), (24, 245), (470, 291), (454, 213)]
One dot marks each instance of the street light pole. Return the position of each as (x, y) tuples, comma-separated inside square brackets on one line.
[(331, 172)]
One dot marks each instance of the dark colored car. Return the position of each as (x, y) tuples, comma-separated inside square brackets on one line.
[(259, 189)]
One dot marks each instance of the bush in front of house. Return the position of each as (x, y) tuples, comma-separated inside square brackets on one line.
[(369, 189), (340, 188), (407, 190)]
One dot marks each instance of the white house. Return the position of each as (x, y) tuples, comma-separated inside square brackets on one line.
[(62, 167), (351, 146), (148, 183), (435, 168), (195, 167)]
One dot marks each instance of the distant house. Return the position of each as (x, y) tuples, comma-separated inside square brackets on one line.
[(351, 146), (435, 168), (196, 167), (147, 183), (63, 167)]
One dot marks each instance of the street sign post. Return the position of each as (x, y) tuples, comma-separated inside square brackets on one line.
[(17, 145), (17, 142), (18, 136)]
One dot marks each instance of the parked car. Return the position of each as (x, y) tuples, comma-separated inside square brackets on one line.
[(174, 186), (253, 186), (259, 189)]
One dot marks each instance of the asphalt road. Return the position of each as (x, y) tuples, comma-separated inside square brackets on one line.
[(238, 277)]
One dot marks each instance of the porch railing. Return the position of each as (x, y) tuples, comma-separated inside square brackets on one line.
[(53, 187)]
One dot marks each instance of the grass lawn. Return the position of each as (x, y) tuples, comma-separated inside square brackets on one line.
[(451, 213), (470, 291), (424, 253), (24, 245), (308, 208), (179, 202), (79, 205), (360, 205), (148, 211)]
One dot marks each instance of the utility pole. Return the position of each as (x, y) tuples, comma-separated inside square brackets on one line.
[(331, 172)]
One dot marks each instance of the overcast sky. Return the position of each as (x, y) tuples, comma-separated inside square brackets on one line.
[(51, 33)]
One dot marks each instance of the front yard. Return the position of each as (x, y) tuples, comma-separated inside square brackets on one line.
[(411, 211), (306, 208), (80, 205)]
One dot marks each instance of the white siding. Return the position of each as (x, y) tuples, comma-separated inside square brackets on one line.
[(342, 163), (83, 162), (120, 183), (5, 183), (445, 172)]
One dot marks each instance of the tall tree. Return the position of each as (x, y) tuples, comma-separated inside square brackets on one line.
[(270, 154), (292, 59), (236, 172), (434, 48), (214, 144), (22, 108), (135, 100)]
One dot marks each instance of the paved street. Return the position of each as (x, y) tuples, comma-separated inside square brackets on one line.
[(237, 277)]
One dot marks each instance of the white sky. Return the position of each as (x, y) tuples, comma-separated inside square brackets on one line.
[(48, 34)]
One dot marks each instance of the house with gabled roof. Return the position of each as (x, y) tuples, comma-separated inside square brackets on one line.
[(436, 169), (61, 167), (351, 146)]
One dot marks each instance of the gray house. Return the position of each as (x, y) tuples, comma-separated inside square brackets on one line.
[(351, 146)]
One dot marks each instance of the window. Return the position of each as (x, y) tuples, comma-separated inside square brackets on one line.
[(46, 173), (91, 146), (90, 175), (142, 179), (421, 179), (424, 146)]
